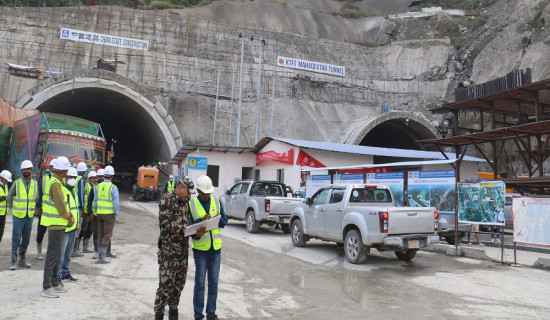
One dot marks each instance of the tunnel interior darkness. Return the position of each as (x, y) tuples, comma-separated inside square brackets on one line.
[(138, 139), (399, 133)]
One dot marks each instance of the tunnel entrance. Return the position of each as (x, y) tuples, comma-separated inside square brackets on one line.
[(397, 130), (132, 131)]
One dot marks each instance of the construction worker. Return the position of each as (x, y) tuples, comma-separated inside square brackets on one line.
[(43, 196), (100, 176), (22, 199), (5, 177), (87, 221), (106, 205), (174, 217), (63, 271), (56, 217), (170, 185), (80, 187), (207, 247)]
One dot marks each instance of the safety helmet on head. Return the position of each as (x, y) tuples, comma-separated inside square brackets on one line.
[(109, 171), (100, 173), (61, 164), (6, 175), (52, 163), (26, 164), (92, 174), (204, 184), (72, 172), (171, 177), (81, 167)]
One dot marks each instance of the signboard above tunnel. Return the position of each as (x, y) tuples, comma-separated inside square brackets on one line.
[(311, 66), (103, 39)]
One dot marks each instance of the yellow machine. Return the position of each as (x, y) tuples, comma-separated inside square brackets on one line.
[(147, 185)]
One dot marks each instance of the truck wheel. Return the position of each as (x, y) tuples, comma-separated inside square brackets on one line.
[(451, 239), (354, 249), (286, 228), (298, 237), (406, 255), (252, 226)]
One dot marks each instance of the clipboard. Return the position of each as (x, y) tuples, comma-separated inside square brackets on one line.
[(210, 224)]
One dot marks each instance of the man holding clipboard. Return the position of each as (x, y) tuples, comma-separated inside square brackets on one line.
[(206, 247)]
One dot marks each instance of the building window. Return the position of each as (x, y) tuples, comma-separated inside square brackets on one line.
[(281, 175), (214, 173)]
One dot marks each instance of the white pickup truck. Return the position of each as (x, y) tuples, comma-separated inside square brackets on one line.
[(259, 202), (363, 217)]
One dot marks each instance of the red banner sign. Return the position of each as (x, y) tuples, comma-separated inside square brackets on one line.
[(379, 169), (285, 157), (305, 160)]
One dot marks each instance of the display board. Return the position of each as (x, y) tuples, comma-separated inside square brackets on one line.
[(531, 217), (394, 180), (433, 188), (481, 203), (315, 182), (349, 178)]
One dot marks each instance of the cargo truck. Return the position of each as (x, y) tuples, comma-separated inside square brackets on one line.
[(46, 136)]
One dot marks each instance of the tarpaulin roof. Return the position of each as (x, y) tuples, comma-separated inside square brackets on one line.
[(365, 150), (9, 114)]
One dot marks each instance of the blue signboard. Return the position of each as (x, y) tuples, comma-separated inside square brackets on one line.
[(197, 163)]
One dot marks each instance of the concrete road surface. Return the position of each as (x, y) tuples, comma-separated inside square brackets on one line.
[(264, 277)]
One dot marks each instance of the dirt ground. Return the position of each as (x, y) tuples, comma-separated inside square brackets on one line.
[(124, 289)]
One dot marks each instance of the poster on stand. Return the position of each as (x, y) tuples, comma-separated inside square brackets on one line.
[(316, 182), (531, 217), (433, 188), (481, 203), (394, 180), (349, 178)]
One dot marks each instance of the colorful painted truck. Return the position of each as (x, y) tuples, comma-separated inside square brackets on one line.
[(46, 136)]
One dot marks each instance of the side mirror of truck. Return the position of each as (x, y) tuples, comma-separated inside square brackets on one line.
[(308, 201), (227, 192)]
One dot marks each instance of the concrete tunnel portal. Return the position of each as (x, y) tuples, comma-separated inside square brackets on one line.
[(138, 134)]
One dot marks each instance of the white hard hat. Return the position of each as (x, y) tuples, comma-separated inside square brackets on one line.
[(100, 173), (26, 164), (171, 177), (6, 175), (72, 172), (81, 167), (92, 174), (61, 164), (109, 171), (52, 162), (204, 184)]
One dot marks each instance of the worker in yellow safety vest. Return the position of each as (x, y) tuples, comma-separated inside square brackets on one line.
[(56, 216), (5, 177), (206, 248), (43, 196), (170, 186), (63, 271), (22, 199), (106, 205)]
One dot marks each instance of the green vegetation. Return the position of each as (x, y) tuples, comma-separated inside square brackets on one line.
[(538, 21), (479, 21), (351, 10), (142, 4)]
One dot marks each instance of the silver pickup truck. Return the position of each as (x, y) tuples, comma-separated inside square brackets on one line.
[(363, 217), (259, 202)]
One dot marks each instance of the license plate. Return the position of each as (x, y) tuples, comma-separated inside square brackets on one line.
[(286, 220), (414, 244)]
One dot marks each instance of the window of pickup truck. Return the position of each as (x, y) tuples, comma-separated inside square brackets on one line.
[(370, 195), (320, 197), (337, 195), (263, 189), (239, 188)]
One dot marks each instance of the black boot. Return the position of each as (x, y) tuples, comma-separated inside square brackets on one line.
[(173, 314), (159, 316)]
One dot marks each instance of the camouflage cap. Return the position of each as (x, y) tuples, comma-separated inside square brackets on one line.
[(186, 181)]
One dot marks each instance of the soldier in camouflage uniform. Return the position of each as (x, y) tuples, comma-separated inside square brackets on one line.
[(174, 217)]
